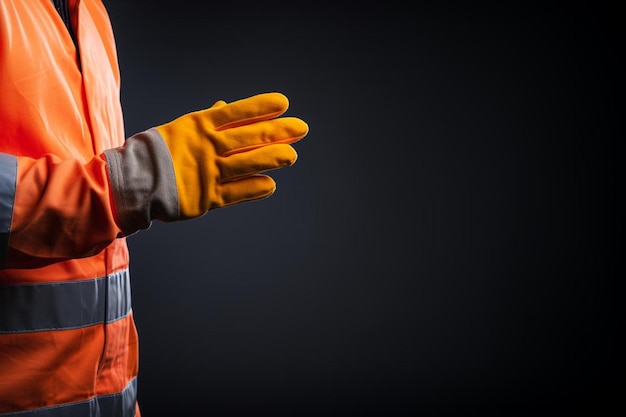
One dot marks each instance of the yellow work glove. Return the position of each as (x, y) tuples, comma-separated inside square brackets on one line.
[(219, 153)]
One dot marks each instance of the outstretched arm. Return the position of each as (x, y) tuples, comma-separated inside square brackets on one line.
[(54, 209)]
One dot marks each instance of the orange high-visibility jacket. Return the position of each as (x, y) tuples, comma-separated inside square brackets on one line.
[(68, 343)]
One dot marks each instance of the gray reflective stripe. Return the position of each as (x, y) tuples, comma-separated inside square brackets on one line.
[(64, 305), (115, 405), (8, 175)]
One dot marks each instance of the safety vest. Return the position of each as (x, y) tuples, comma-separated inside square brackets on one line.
[(68, 343)]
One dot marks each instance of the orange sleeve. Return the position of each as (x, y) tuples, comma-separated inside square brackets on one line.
[(62, 209)]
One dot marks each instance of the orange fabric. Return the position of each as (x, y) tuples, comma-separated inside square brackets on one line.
[(65, 199), (113, 259), (26, 384), (59, 110), (57, 116), (119, 360), (48, 106)]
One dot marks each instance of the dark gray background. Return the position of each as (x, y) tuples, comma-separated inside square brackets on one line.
[(445, 244)]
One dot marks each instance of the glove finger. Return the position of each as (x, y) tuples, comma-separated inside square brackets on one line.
[(245, 189), (244, 138), (255, 161), (259, 107)]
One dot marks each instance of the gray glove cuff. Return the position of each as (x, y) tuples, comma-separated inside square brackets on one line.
[(143, 182)]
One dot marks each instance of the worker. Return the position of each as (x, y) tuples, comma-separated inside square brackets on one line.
[(73, 187)]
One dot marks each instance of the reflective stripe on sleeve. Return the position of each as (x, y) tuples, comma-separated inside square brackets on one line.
[(114, 405), (8, 175), (64, 305)]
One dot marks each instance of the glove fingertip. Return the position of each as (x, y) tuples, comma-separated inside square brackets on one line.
[(278, 102), (300, 128)]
